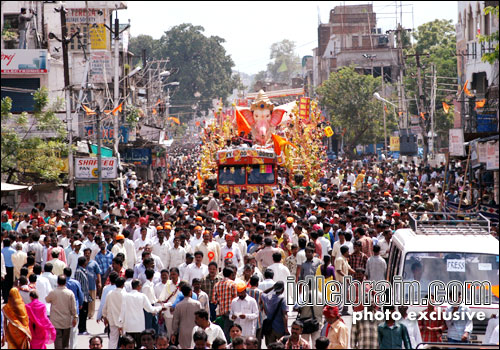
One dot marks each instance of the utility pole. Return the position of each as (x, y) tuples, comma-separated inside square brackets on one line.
[(115, 33), (67, 96), (99, 156), (385, 126), (433, 108)]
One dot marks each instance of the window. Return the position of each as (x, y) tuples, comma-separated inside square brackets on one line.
[(11, 21), (232, 175), (22, 101), (261, 174), (426, 267)]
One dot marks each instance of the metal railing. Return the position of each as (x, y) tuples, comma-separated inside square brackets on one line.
[(449, 223)]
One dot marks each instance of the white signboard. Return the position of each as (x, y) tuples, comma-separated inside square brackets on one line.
[(492, 155), (100, 67), (24, 61), (457, 143), (87, 168), (481, 150), (455, 265)]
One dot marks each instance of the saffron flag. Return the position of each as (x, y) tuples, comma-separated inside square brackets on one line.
[(446, 108), (175, 120), (480, 103), (385, 108), (467, 92), (88, 111), (117, 109), (242, 123), (279, 143), (422, 115), (154, 111)]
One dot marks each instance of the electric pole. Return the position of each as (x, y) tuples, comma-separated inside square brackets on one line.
[(99, 156), (115, 33)]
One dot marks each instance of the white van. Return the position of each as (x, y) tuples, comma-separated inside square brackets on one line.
[(445, 247)]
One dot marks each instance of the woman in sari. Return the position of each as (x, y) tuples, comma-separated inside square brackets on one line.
[(16, 322), (42, 330)]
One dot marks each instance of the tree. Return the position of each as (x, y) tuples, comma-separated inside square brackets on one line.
[(285, 64), (139, 43), (26, 156), (490, 57), (436, 44), (348, 97), (201, 66)]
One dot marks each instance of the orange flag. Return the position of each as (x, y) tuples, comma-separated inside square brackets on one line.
[(154, 111), (175, 120), (117, 109), (422, 115), (279, 143), (88, 111), (467, 92), (242, 123), (385, 108), (197, 123), (446, 108), (480, 103)]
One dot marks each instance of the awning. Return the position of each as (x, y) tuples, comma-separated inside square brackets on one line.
[(11, 187)]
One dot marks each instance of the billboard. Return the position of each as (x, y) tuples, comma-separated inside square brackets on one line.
[(24, 61), (87, 168)]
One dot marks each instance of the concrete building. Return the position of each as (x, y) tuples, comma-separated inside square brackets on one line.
[(480, 123), (350, 37), (40, 62), (482, 77)]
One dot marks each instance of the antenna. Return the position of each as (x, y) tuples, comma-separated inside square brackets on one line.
[(319, 16)]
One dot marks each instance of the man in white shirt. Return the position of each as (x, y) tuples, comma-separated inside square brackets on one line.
[(163, 282), (43, 286), (111, 312), (23, 224), (325, 243), (268, 281), (131, 317), (212, 330), (73, 257), (244, 311), (195, 270), (411, 326), (161, 247), (197, 238), (231, 251), (177, 255), (385, 244), (141, 242), (47, 273), (281, 272)]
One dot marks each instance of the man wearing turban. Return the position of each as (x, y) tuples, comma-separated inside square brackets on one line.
[(335, 329)]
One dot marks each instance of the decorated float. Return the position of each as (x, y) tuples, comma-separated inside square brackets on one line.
[(249, 149)]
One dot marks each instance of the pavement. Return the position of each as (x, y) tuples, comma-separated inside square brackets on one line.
[(95, 328)]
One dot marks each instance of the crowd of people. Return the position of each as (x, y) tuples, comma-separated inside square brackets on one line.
[(165, 266)]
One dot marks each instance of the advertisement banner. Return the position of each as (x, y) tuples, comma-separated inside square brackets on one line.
[(457, 143), (137, 156), (481, 150), (492, 155), (394, 146), (87, 168), (108, 134), (24, 61), (77, 21), (101, 70)]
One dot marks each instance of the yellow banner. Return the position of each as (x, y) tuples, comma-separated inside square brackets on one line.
[(394, 143), (98, 39)]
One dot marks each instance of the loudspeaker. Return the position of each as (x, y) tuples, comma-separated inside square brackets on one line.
[(408, 143)]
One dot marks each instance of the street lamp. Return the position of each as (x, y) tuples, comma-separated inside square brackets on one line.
[(380, 98)]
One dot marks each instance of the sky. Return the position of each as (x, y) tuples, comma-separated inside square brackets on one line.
[(250, 28)]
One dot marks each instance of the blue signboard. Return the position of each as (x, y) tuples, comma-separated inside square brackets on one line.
[(108, 133), (138, 156)]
